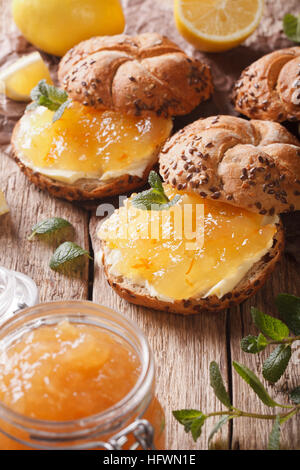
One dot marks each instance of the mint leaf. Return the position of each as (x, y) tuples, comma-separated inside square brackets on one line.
[(50, 97), (274, 438), (295, 396), (58, 114), (289, 309), (53, 229), (218, 426), (217, 384), (254, 344), (254, 382), (154, 198), (291, 27), (192, 420), (68, 257), (155, 181), (275, 365), (269, 326)]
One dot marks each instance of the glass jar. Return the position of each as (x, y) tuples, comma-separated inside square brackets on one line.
[(16, 291), (135, 422)]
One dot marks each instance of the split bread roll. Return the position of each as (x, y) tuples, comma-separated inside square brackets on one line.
[(132, 78), (270, 87), (249, 165)]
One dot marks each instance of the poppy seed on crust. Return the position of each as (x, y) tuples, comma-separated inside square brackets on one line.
[(248, 174), (135, 74)]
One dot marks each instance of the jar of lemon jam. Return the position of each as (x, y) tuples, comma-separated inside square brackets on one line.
[(76, 375)]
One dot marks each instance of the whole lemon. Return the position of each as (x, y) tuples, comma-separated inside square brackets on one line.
[(57, 25)]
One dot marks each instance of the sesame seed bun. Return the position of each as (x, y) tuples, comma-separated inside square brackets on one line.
[(270, 87), (85, 189), (249, 164), (135, 74), (253, 280)]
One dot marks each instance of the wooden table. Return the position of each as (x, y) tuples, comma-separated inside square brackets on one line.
[(183, 347)]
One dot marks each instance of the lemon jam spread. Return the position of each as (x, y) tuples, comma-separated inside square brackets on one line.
[(179, 264), (87, 143), (66, 371)]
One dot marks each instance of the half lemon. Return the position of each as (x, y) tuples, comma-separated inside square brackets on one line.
[(18, 79), (217, 25)]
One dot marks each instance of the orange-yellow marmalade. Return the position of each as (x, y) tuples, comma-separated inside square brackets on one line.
[(198, 247), (86, 143), (68, 371)]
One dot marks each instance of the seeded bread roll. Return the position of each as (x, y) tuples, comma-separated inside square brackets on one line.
[(248, 286), (133, 74), (249, 164), (85, 189), (270, 88)]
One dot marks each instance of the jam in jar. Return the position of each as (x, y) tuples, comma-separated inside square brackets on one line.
[(76, 375)]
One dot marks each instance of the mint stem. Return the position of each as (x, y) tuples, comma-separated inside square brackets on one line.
[(239, 413), (288, 340)]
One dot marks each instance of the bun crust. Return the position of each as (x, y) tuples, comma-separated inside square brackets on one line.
[(247, 287), (133, 74), (270, 88), (83, 189), (249, 164)]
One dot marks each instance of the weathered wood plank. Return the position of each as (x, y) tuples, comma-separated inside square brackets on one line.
[(248, 433), (28, 205), (183, 348)]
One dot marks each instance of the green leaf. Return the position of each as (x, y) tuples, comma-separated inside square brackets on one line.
[(275, 365), (68, 257), (58, 114), (254, 344), (218, 426), (192, 420), (295, 395), (53, 229), (51, 97), (254, 383), (155, 181), (289, 309), (270, 326), (274, 438), (154, 198), (291, 27), (217, 384)]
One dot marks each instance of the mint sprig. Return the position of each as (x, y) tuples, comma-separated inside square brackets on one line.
[(50, 97), (291, 27), (275, 332), (216, 382), (154, 198), (193, 420), (274, 438), (288, 307), (278, 332)]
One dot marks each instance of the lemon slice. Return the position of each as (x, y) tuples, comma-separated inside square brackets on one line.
[(217, 25), (3, 206), (18, 79)]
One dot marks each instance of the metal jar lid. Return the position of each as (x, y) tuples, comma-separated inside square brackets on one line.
[(17, 291)]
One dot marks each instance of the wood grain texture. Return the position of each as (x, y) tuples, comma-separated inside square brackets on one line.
[(183, 349), (27, 207), (248, 433)]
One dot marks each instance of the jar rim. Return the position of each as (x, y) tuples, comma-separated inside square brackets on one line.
[(137, 398)]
